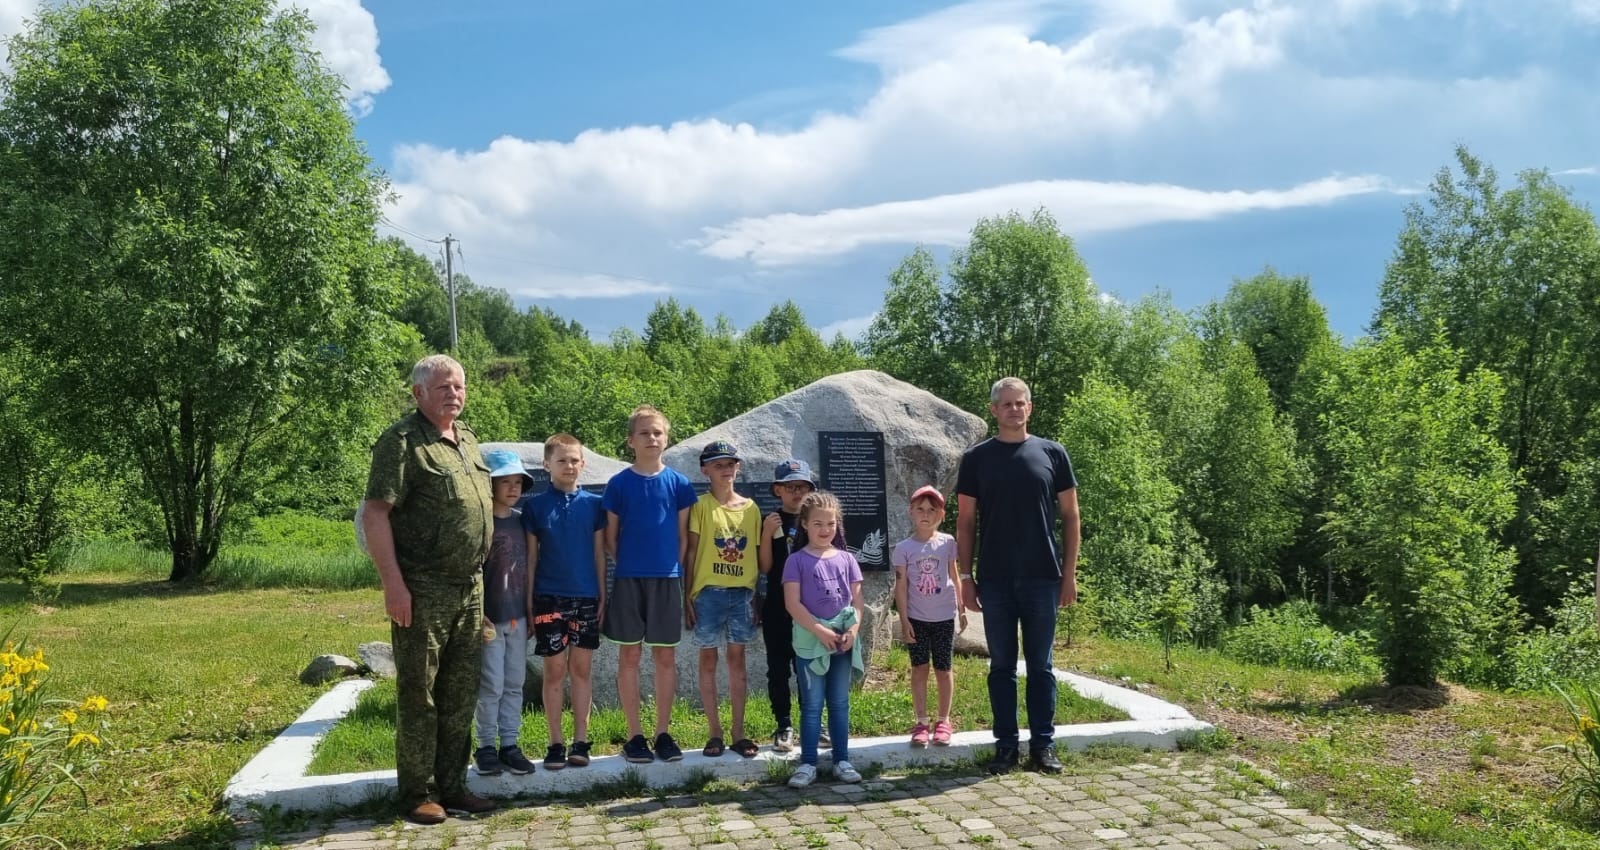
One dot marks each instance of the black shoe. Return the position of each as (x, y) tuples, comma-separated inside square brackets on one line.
[(1044, 761), (555, 757), (1004, 761), (488, 761), (667, 749), (579, 756), (515, 761), (637, 751)]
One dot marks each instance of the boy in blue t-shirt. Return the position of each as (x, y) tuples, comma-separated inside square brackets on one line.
[(647, 527), (506, 602), (566, 557)]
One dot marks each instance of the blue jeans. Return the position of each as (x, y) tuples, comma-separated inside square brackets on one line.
[(834, 686), (1030, 603)]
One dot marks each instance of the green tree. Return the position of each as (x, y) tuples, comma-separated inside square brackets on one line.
[(1245, 509), (1423, 490), (1513, 277), (188, 226), (1135, 545), (1020, 303), (906, 337), (1284, 327)]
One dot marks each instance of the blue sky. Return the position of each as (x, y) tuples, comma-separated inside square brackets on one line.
[(595, 157)]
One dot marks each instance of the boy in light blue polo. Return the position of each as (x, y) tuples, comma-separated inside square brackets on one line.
[(647, 529)]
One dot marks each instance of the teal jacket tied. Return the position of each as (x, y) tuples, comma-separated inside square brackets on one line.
[(808, 645)]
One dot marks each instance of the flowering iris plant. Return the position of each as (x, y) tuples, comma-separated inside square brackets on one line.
[(44, 742)]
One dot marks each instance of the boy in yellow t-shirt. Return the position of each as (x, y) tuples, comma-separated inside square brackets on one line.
[(721, 573)]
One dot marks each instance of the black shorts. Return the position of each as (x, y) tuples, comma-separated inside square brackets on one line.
[(564, 621), (645, 610), (935, 641)]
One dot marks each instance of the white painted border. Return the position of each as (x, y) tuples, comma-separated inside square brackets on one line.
[(277, 775)]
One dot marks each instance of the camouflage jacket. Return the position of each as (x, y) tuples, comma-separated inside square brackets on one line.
[(443, 517)]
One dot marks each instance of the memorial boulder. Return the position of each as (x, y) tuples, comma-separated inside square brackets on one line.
[(872, 440)]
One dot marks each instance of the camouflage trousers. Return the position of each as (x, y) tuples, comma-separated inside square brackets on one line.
[(436, 660)]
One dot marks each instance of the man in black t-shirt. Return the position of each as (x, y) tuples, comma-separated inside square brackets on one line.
[(1009, 491)]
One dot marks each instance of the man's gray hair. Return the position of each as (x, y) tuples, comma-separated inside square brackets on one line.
[(432, 365), (1009, 384)]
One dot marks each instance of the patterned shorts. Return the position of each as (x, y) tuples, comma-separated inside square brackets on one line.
[(563, 621), (935, 641)]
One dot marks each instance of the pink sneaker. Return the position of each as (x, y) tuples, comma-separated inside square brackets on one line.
[(919, 735), (941, 733)]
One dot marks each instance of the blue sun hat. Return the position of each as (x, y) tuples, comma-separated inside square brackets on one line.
[(504, 462)]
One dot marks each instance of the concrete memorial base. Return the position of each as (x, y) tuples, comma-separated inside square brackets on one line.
[(276, 777)]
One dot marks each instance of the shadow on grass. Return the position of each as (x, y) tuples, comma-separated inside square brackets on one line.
[(1373, 696), (101, 593)]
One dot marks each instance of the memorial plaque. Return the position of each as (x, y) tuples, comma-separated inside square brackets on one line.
[(852, 469)]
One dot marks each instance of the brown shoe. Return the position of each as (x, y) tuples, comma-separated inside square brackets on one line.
[(427, 813), (469, 803)]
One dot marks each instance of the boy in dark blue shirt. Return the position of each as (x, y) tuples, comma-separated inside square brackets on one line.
[(566, 557)]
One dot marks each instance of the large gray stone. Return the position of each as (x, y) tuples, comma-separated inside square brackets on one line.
[(378, 657), (326, 668)]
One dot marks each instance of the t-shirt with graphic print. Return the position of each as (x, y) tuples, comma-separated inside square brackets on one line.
[(726, 554), (930, 594), (505, 573), (824, 582)]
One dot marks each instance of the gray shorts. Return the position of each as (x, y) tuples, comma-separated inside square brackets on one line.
[(645, 610)]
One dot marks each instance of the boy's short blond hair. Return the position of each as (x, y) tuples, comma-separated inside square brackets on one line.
[(556, 441), (646, 411)]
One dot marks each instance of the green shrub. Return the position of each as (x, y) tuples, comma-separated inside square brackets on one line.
[(1568, 650), (1294, 636), (297, 530)]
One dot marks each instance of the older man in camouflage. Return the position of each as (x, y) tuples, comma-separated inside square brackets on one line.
[(428, 519)]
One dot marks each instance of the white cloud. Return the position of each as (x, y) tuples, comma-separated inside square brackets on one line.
[(1584, 171), (853, 328), (586, 285), (1079, 206), (347, 37)]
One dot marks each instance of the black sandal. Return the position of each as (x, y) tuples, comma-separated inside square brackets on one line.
[(746, 747), (714, 748)]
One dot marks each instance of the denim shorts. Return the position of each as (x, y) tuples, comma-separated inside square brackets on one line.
[(723, 614)]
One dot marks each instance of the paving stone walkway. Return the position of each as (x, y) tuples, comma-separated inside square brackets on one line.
[(1185, 801)]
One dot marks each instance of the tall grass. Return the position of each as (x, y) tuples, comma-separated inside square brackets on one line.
[(240, 567)]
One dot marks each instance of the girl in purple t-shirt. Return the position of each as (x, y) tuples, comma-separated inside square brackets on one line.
[(822, 592)]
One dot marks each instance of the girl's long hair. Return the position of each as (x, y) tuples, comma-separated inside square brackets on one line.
[(819, 500)]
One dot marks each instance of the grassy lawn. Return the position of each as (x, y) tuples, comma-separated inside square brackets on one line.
[(365, 739), (201, 679), (1453, 767)]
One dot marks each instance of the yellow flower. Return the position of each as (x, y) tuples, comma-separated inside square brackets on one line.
[(82, 738), (1586, 724), (68, 716), (95, 703), (4, 731)]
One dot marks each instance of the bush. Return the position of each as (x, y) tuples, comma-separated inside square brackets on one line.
[(296, 530), (1568, 650), (1294, 636)]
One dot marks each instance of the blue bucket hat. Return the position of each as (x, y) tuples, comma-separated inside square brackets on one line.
[(792, 469), (504, 462)]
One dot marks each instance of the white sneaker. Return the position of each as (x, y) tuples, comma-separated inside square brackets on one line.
[(845, 772), (804, 775)]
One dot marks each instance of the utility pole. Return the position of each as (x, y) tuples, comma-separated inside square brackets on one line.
[(450, 284)]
